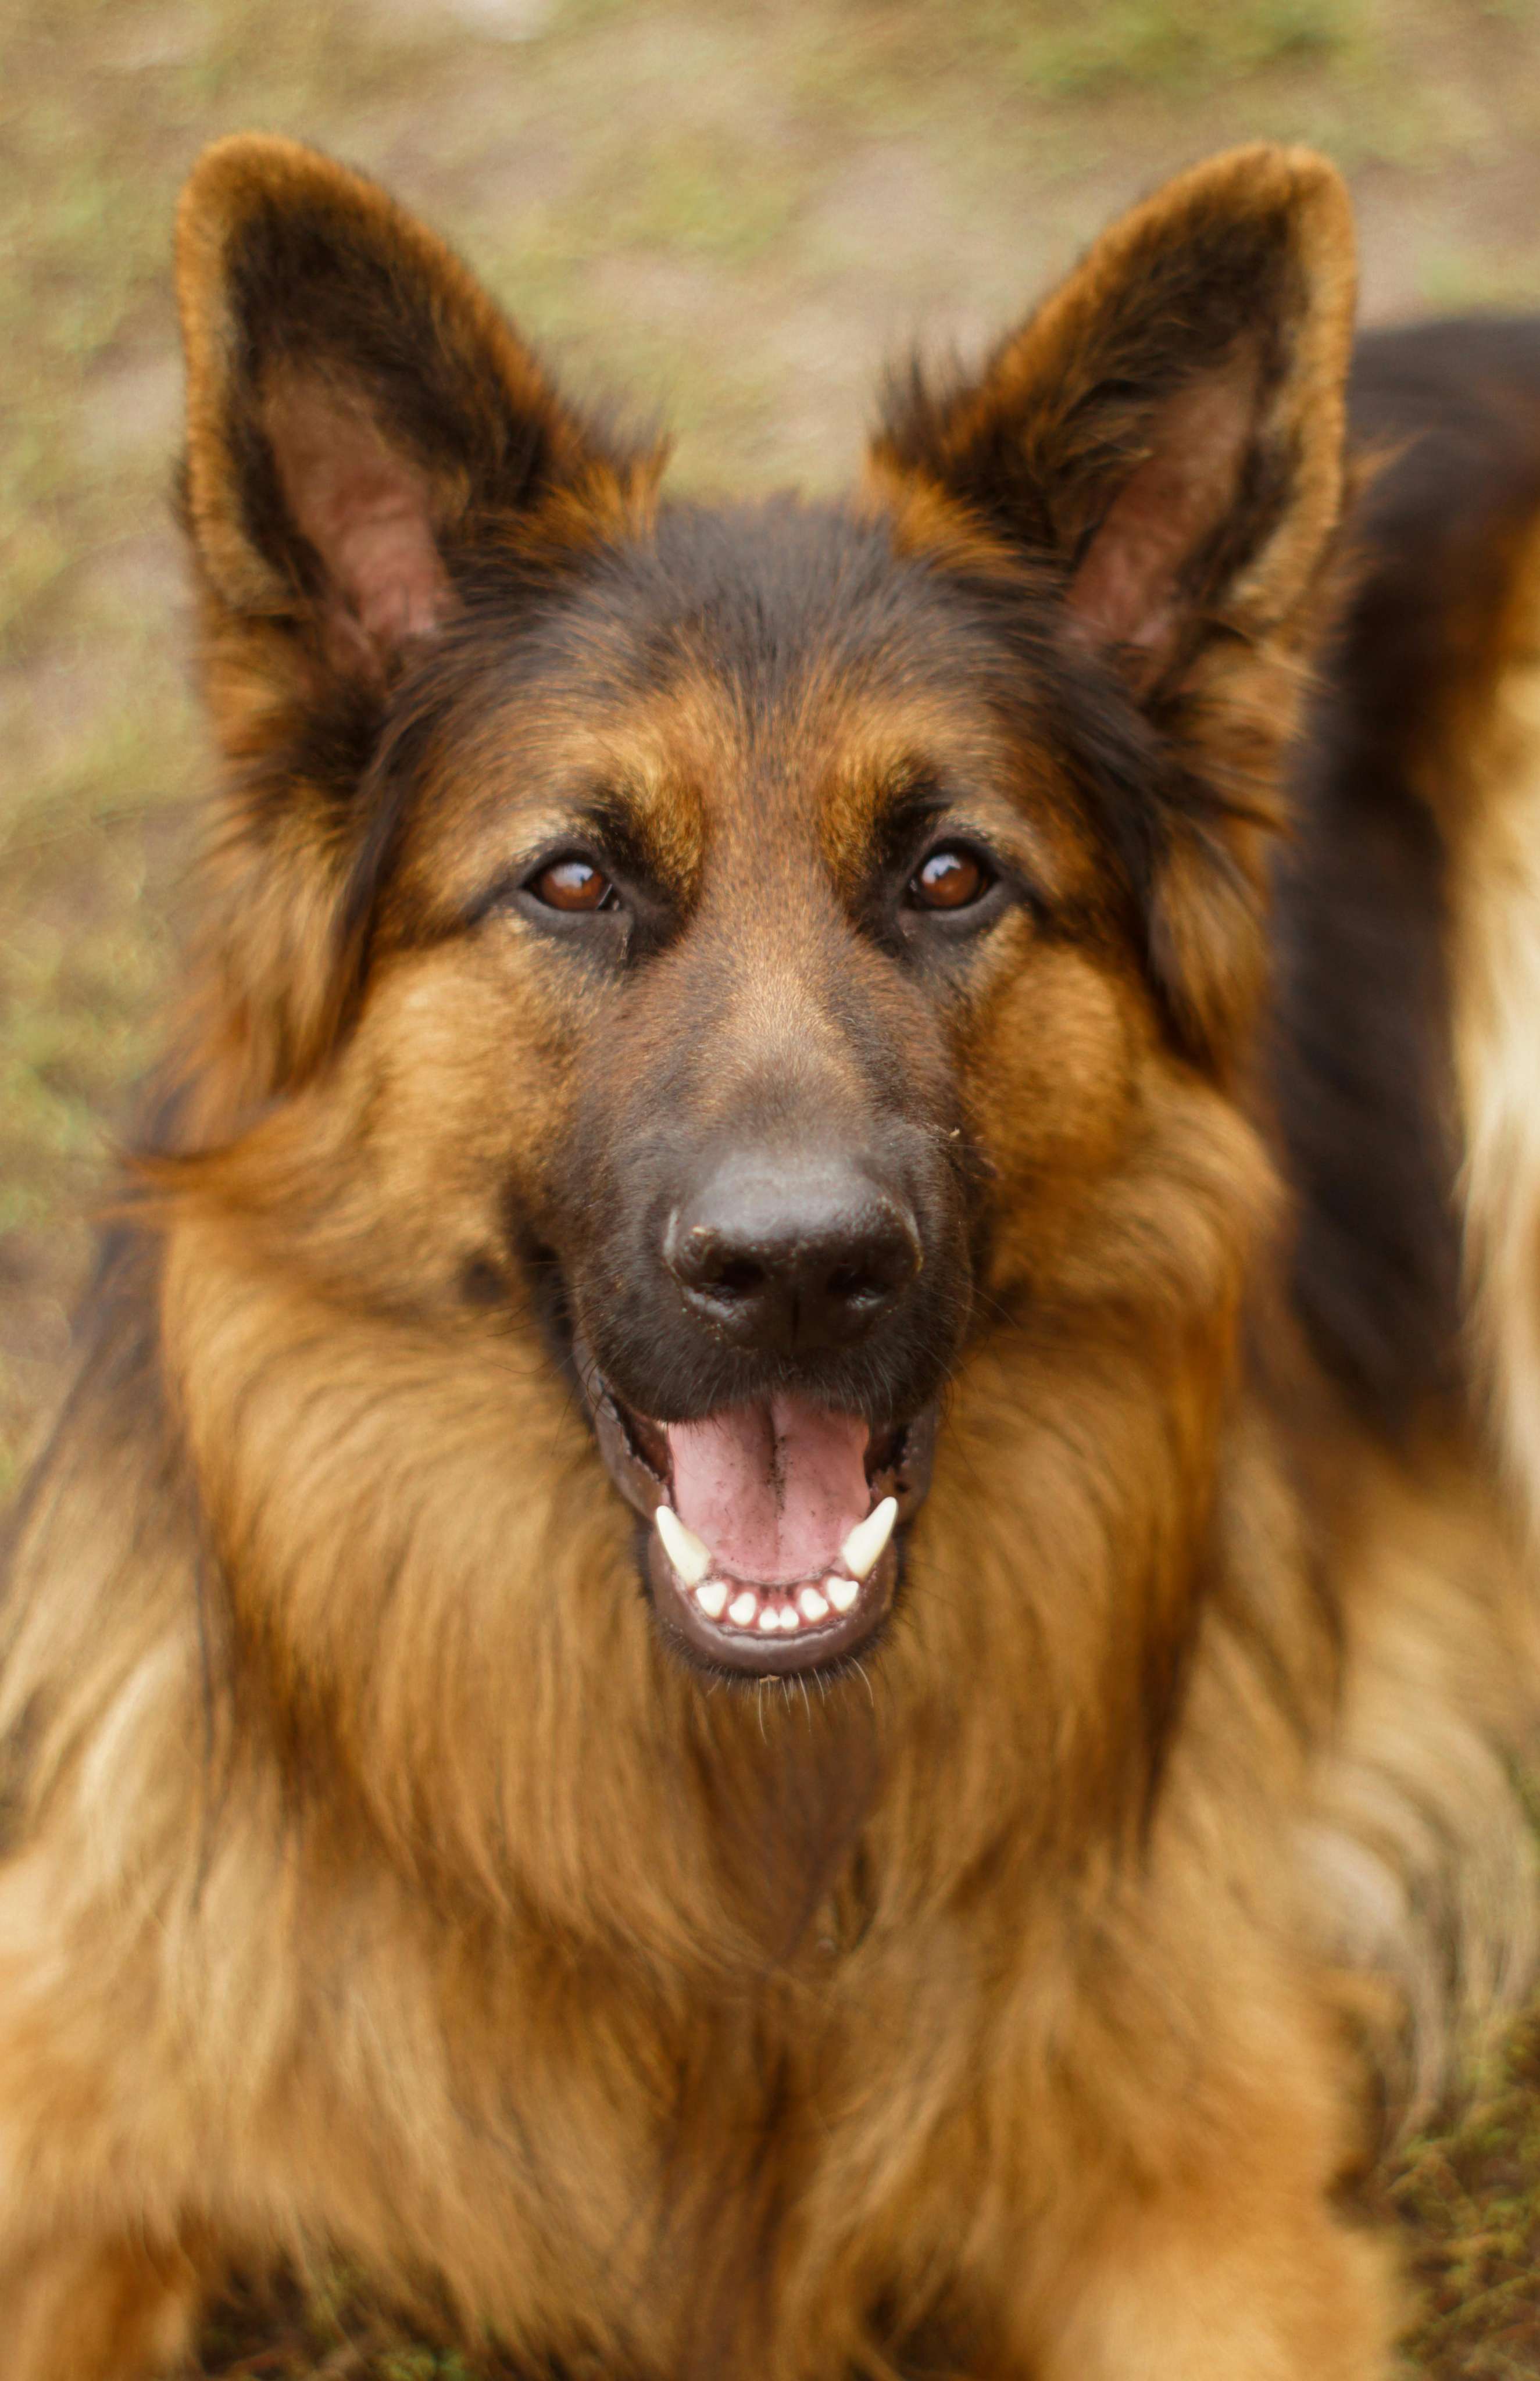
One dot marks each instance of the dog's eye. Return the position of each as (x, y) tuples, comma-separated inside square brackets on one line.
[(951, 878), (573, 884)]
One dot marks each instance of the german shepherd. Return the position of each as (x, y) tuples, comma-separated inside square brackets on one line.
[(781, 1628)]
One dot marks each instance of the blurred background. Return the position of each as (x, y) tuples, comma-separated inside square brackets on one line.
[(731, 213)]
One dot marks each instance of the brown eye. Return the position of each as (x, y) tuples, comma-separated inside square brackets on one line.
[(572, 884), (949, 879)]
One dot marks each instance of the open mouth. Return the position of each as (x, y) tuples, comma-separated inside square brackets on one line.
[(774, 1530)]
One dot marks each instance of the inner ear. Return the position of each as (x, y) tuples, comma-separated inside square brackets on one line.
[(366, 512), (1159, 540)]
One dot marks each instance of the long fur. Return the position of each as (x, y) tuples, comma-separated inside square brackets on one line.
[(376, 1881)]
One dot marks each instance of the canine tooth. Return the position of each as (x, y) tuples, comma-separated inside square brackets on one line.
[(811, 1605), (712, 1597), (742, 1607), (769, 1618), (841, 1593), (867, 1540), (683, 1548)]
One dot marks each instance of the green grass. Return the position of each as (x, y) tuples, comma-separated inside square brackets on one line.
[(1467, 2198), (731, 212), (1179, 45)]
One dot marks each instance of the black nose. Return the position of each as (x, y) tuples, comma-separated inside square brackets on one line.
[(790, 1254)]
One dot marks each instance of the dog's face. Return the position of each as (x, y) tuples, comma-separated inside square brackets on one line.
[(719, 890), (756, 944)]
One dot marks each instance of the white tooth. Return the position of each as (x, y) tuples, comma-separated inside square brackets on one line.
[(769, 1619), (683, 1548), (841, 1593), (743, 1608), (813, 1605), (867, 1540), (712, 1597)]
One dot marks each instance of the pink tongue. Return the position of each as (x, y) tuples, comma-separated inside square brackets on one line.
[(774, 1490)]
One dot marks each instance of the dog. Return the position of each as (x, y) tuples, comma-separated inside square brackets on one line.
[(784, 1620)]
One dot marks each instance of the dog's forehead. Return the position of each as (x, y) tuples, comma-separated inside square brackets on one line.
[(747, 692), (789, 659)]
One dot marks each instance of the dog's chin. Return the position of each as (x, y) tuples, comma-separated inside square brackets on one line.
[(808, 1596)]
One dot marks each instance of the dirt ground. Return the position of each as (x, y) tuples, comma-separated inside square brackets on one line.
[(729, 213)]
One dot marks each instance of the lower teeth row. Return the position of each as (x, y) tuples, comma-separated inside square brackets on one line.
[(748, 1610)]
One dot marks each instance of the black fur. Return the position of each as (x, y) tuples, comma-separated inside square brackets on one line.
[(1358, 1056)]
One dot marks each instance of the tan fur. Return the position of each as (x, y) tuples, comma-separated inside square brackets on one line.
[(378, 1884), (1497, 909)]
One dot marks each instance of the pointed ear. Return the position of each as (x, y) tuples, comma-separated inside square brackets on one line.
[(357, 407), (1168, 427), (1162, 442), (362, 422)]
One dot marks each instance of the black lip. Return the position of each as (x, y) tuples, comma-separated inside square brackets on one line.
[(902, 1471)]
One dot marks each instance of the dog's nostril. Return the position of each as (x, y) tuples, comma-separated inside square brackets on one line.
[(734, 1277)]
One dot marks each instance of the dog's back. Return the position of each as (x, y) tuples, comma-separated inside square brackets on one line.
[(1401, 1067), (1377, 951)]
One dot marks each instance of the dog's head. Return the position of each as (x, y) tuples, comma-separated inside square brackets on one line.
[(754, 943)]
